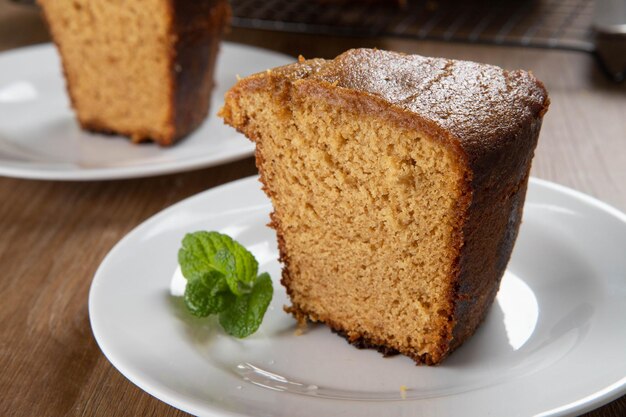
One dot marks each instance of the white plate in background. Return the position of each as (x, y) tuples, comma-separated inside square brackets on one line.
[(40, 138), (553, 343)]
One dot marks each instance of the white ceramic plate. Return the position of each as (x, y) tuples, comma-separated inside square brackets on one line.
[(553, 344), (40, 139)]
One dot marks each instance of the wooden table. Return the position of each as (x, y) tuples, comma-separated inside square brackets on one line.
[(53, 235)]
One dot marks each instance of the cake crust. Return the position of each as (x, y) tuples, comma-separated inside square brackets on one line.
[(490, 120), (197, 28)]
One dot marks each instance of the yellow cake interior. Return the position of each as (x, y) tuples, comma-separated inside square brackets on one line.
[(117, 61), (367, 211)]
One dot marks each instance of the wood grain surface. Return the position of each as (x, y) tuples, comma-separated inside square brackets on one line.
[(53, 235)]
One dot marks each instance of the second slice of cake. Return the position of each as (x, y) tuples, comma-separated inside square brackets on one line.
[(141, 68), (398, 184)]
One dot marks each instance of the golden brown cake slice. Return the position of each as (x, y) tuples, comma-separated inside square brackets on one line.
[(142, 68), (398, 183)]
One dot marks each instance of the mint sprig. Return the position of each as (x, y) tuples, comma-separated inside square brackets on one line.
[(222, 279)]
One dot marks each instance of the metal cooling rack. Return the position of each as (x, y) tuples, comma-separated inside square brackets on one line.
[(553, 24)]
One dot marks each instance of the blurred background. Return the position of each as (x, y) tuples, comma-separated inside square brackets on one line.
[(593, 27)]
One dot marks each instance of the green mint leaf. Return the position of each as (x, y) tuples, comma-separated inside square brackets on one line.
[(221, 279), (205, 251), (207, 294), (244, 314)]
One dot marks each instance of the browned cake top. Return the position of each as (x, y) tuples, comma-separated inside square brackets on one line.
[(477, 103)]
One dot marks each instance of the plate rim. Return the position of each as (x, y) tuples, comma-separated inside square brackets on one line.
[(582, 405), (133, 171)]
